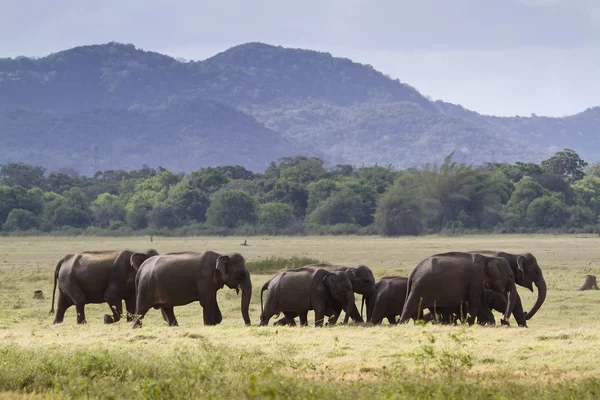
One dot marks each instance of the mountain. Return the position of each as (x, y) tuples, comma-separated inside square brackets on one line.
[(180, 136), (142, 107)]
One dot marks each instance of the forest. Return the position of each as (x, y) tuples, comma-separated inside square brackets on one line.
[(299, 195)]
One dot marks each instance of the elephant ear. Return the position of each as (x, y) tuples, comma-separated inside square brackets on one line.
[(493, 270), (520, 261), (221, 269), (137, 259), (329, 280)]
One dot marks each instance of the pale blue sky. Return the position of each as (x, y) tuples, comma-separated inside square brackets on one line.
[(501, 57)]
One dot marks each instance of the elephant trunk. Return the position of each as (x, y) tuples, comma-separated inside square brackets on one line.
[(362, 303), (540, 283), (246, 296)]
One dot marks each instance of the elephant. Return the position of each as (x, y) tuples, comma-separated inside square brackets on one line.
[(452, 279), (492, 299), (387, 300), (526, 271), (93, 277), (296, 291), (363, 282), (177, 279)]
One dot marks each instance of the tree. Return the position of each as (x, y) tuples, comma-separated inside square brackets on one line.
[(526, 191), (402, 211), (339, 208), (566, 163), (107, 208), (548, 211), (276, 215), (188, 203), (21, 220), (163, 216), (231, 208), (27, 176)]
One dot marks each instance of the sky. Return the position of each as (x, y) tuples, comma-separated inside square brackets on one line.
[(497, 57)]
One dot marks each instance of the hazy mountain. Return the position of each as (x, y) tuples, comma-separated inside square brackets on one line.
[(180, 136), (141, 107)]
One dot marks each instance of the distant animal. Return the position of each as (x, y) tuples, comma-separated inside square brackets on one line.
[(93, 277), (451, 279), (176, 279), (296, 291)]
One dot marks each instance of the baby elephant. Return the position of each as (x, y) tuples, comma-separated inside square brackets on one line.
[(295, 292), (387, 300), (492, 299)]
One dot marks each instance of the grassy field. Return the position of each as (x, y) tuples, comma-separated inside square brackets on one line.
[(558, 356)]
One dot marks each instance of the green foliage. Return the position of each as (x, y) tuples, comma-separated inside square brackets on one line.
[(566, 163), (27, 176), (107, 209), (275, 215), (297, 195), (21, 220), (231, 208)]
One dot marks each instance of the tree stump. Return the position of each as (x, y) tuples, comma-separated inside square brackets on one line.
[(590, 283), (38, 294)]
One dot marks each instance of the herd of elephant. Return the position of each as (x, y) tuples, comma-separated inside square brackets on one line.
[(444, 288)]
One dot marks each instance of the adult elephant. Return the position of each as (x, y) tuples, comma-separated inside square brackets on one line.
[(362, 281), (527, 272), (451, 279), (93, 277), (177, 279), (296, 291)]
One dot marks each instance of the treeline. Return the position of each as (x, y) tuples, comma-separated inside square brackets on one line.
[(300, 196)]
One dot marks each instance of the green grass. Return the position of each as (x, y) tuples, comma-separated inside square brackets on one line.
[(556, 357)]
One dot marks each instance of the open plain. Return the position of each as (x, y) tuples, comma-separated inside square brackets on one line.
[(557, 356)]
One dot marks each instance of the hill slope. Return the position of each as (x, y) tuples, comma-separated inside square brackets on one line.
[(304, 101), (181, 136)]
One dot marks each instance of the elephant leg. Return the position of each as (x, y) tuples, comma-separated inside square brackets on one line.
[(130, 307), (378, 314), (518, 313), (170, 316), (80, 307), (485, 316), (117, 310), (473, 307), (411, 308), (139, 315), (218, 317), (392, 319), (303, 318), (62, 305), (164, 315), (208, 308), (286, 320), (319, 315), (289, 318), (354, 314)]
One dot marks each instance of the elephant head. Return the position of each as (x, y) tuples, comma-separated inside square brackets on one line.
[(137, 259), (501, 279), (231, 270), (340, 288), (528, 272)]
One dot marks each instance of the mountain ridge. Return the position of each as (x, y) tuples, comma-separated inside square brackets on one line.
[(307, 100)]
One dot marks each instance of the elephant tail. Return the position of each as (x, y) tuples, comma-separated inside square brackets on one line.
[(56, 271)]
